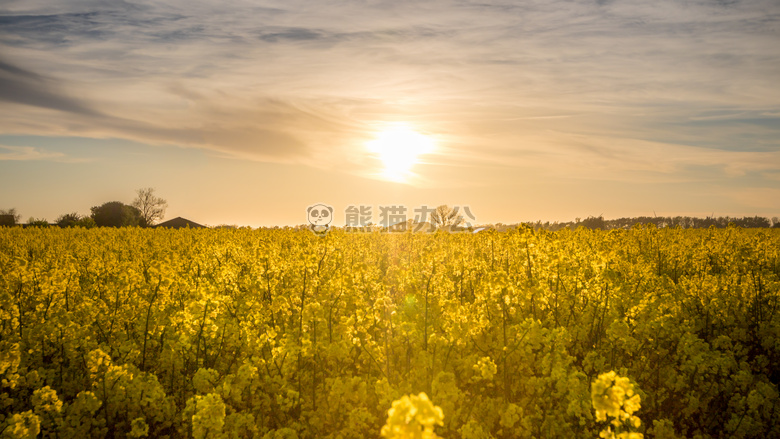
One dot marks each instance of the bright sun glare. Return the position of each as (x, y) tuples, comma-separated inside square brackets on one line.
[(398, 147)]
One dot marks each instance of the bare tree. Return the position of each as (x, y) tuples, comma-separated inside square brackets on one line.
[(152, 208), (446, 217)]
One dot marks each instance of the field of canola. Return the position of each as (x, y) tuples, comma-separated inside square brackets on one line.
[(118, 333)]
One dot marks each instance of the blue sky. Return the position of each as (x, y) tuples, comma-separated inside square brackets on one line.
[(248, 112)]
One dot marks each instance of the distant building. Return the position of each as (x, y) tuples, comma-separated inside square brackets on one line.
[(180, 223)]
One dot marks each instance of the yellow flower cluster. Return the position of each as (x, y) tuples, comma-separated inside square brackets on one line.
[(24, 425), (613, 396), (209, 416), (486, 367), (412, 417), (45, 400), (282, 334)]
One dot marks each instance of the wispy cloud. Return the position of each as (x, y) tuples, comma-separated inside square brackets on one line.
[(21, 86), (25, 153)]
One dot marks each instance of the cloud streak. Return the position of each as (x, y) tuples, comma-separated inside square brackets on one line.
[(21, 86), (29, 153)]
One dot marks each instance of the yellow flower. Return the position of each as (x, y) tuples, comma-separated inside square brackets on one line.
[(412, 417), (613, 397)]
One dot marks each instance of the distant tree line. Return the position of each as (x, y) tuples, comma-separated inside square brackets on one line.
[(144, 211), (147, 209), (685, 222)]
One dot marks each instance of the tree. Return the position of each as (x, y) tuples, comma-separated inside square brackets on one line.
[(9, 217), (446, 217), (37, 222), (116, 214), (75, 220), (86, 222), (68, 219), (594, 222), (151, 207)]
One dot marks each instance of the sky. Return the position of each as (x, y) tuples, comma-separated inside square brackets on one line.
[(248, 112)]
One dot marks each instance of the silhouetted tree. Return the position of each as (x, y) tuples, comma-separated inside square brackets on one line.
[(152, 208), (116, 214), (86, 222), (68, 219), (753, 222), (593, 222), (37, 222)]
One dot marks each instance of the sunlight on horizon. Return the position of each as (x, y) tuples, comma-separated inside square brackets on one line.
[(398, 147)]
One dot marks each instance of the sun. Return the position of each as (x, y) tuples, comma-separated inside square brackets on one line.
[(399, 147)]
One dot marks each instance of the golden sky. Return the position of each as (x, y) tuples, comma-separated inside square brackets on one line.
[(248, 112)]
